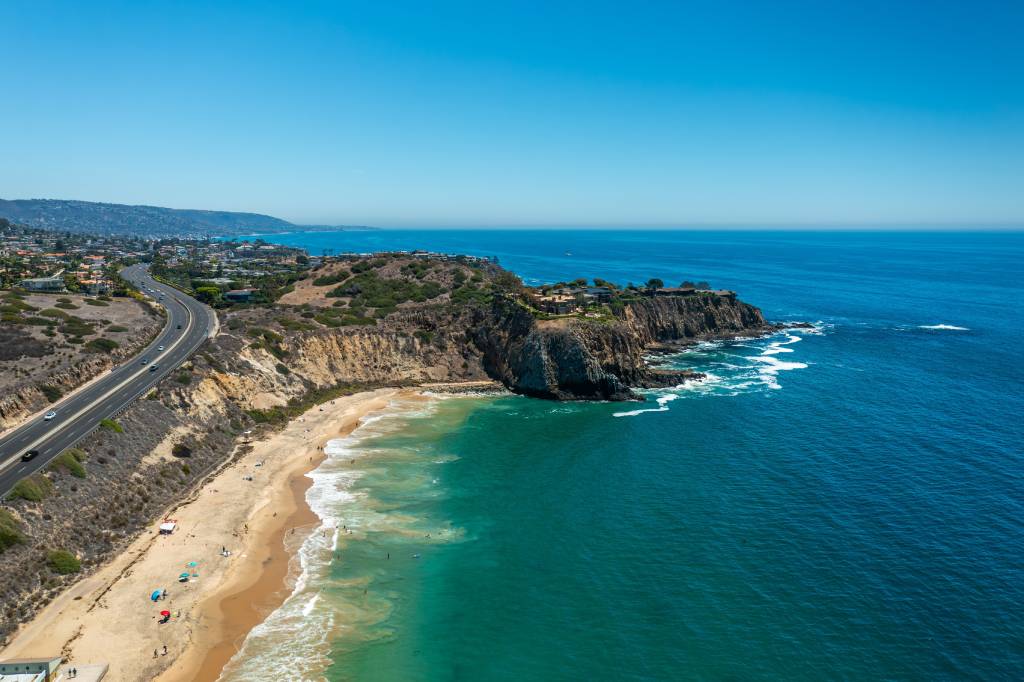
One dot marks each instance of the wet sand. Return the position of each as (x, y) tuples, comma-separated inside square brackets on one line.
[(108, 616)]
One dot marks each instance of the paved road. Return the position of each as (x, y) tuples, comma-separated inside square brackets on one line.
[(189, 323)]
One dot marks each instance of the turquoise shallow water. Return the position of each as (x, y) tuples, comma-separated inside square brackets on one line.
[(841, 504)]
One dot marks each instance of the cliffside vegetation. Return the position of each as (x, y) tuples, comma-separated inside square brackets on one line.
[(347, 325)]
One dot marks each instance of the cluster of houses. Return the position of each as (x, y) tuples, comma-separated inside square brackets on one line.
[(421, 255), (232, 261), (44, 262), (567, 300)]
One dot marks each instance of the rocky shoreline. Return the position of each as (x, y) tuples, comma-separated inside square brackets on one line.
[(269, 365)]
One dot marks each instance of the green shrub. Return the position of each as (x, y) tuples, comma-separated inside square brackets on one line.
[(10, 534), (63, 562), (101, 345), (116, 328), (66, 306), (327, 280), (96, 301), (35, 488), (52, 393), (281, 368), (53, 312), (76, 327), (71, 460), (111, 425), (183, 378)]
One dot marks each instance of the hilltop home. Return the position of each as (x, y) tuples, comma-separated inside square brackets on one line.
[(42, 284)]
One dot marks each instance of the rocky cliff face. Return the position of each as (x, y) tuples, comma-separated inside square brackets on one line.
[(587, 359), (258, 373), (234, 383), (20, 401)]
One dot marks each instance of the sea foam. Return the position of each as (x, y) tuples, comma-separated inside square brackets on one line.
[(947, 327), (729, 368), (304, 622)]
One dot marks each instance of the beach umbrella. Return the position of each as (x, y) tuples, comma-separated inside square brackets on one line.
[(165, 614), (191, 564), (183, 577), (155, 595)]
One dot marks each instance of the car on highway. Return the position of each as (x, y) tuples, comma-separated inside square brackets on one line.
[(179, 326), (153, 367), (144, 361), (49, 415), (29, 456)]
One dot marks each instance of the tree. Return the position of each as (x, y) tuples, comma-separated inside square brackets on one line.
[(208, 294), (655, 283), (688, 285), (703, 285), (508, 282)]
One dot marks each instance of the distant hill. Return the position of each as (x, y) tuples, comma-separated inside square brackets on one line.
[(150, 221)]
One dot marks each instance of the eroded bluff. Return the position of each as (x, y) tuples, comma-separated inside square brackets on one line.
[(603, 359)]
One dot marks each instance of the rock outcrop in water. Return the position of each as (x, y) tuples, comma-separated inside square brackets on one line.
[(603, 359)]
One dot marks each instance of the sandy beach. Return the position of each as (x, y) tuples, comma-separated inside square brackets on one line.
[(109, 617)]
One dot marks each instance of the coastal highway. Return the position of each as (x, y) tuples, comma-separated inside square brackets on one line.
[(189, 324)]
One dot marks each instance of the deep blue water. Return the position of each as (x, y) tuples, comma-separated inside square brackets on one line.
[(842, 504)]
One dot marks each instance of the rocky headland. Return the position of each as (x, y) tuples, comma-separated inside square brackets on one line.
[(352, 325)]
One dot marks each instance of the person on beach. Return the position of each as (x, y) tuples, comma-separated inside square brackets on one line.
[(165, 649), (155, 654)]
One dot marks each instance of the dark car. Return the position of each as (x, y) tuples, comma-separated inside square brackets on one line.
[(153, 368), (29, 456), (179, 326)]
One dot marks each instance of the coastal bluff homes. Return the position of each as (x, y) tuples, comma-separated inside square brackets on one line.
[(578, 297)]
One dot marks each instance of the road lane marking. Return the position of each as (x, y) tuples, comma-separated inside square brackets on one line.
[(107, 394)]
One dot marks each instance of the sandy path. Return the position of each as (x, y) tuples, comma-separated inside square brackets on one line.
[(108, 617)]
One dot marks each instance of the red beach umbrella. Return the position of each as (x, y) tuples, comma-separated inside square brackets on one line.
[(165, 613)]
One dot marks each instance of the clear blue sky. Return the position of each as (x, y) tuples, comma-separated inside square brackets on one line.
[(546, 113)]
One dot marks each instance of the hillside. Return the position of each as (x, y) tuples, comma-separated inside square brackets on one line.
[(120, 219)]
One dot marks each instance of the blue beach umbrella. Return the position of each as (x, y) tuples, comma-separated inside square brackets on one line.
[(156, 595)]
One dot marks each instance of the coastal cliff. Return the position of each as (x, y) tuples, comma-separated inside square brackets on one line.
[(270, 364), (578, 358)]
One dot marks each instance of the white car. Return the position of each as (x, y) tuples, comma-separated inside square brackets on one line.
[(159, 347), (49, 416)]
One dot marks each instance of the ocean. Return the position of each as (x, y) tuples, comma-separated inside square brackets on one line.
[(842, 502)]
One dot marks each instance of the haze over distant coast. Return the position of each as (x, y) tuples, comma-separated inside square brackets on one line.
[(90, 217)]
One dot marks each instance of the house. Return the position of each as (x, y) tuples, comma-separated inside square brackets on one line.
[(599, 294), (556, 304), (43, 284), (94, 287), (674, 291), (239, 295), (30, 669)]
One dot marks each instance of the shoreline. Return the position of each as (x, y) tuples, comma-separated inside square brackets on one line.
[(107, 618)]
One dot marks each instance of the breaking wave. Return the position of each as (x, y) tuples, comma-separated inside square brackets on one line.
[(729, 367), (293, 642)]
